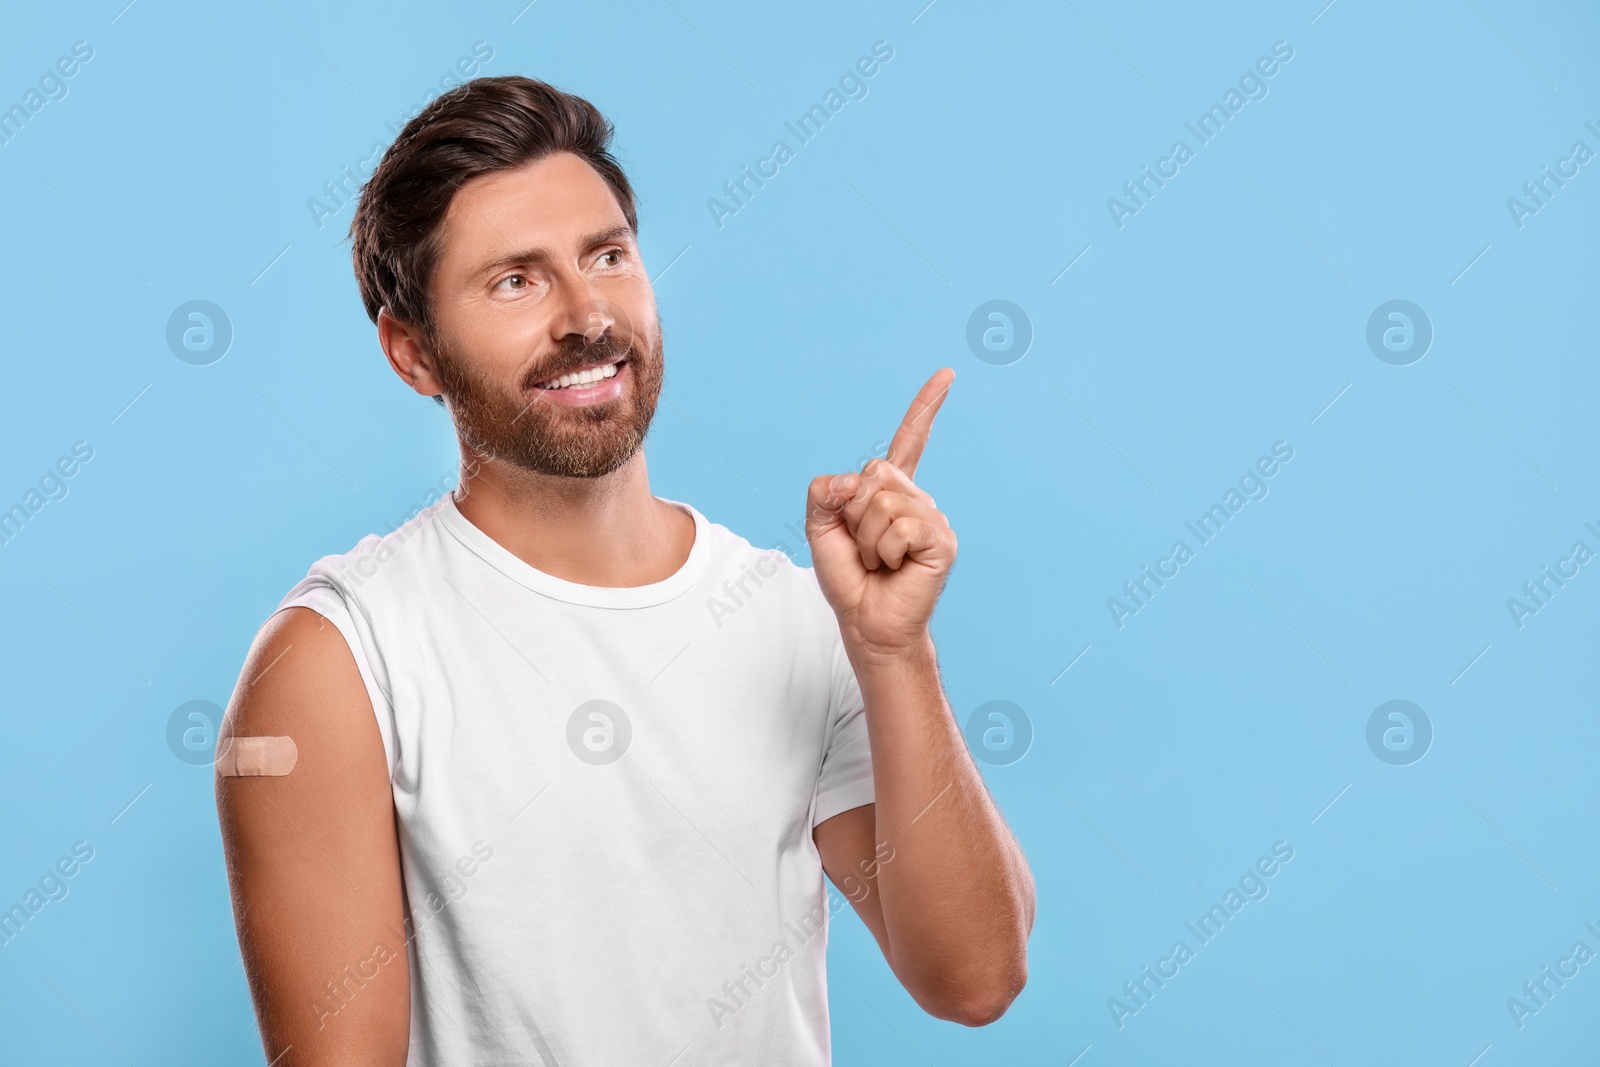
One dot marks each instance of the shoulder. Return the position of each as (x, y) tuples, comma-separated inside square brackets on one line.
[(733, 559), (378, 561), (300, 680), (729, 548)]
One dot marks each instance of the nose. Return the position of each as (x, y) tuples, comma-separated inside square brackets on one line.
[(584, 311)]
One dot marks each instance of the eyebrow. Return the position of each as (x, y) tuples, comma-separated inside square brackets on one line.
[(544, 255)]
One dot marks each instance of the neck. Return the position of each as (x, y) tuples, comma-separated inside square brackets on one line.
[(607, 531)]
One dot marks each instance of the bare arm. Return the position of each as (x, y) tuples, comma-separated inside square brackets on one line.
[(313, 860), (931, 867), (953, 908)]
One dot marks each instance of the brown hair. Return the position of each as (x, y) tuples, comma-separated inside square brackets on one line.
[(484, 125)]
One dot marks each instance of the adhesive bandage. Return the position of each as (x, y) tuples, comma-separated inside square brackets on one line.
[(257, 756)]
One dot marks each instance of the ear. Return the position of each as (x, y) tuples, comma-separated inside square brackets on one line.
[(407, 350)]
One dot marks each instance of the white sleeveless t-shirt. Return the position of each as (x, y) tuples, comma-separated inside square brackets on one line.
[(605, 797)]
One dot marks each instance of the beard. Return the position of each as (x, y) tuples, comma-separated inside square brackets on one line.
[(552, 438)]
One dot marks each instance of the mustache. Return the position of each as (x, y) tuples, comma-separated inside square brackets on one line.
[(575, 353)]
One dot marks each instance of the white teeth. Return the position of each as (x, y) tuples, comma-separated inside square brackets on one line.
[(584, 377)]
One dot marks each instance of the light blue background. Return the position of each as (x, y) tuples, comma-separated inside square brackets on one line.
[(1223, 317)]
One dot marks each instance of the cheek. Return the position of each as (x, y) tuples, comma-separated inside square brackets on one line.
[(643, 327), (658, 356), (633, 302), (500, 351)]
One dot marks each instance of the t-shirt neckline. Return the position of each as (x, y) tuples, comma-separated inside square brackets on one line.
[(524, 573)]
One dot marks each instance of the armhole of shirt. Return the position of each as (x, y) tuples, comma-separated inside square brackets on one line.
[(841, 800), (856, 792), (327, 603)]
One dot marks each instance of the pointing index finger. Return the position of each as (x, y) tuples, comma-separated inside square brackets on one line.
[(906, 448)]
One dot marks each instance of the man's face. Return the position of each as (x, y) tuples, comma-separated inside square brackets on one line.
[(538, 280)]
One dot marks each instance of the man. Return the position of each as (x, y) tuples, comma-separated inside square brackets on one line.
[(505, 785)]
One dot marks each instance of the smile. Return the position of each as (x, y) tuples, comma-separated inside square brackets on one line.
[(582, 379)]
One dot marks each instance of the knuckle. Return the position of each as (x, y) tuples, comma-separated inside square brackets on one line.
[(882, 505), (857, 505)]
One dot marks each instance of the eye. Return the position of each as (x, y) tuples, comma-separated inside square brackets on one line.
[(523, 278), (614, 254)]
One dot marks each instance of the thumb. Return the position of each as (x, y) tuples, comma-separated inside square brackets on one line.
[(825, 502)]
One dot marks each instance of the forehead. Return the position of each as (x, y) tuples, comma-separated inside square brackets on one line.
[(550, 203)]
